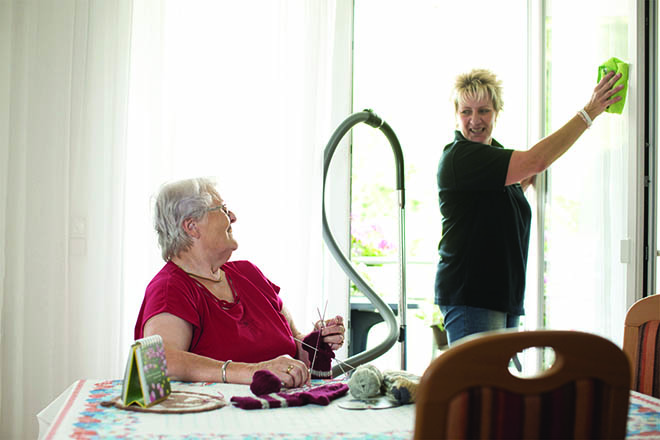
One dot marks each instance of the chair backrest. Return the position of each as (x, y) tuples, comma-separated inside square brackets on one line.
[(641, 343), (468, 391)]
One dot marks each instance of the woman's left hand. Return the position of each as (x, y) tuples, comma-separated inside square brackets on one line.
[(332, 331)]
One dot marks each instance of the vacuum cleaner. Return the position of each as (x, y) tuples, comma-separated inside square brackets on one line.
[(395, 334)]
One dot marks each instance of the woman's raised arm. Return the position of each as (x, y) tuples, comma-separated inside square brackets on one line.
[(525, 164)]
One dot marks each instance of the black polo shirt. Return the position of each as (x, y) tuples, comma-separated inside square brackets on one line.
[(485, 229)]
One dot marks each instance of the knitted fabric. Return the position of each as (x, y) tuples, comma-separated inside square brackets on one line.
[(265, 382), (320, 354), (321, 395)]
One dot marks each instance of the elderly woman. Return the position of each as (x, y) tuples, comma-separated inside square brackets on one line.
[(480, 278), (220, 321)]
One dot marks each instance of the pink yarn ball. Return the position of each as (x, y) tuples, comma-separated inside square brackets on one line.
[(265, 382)]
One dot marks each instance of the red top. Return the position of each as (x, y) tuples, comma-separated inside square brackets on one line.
[(252, 329)]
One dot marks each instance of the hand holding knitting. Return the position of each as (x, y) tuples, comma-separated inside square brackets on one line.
[(332, 331), (316, 349), (291, 372)]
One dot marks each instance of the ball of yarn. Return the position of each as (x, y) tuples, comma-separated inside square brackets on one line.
[(265, 382), (401, 386), (365, 382)]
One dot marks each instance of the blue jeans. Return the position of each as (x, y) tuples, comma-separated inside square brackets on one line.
[(461, 321)]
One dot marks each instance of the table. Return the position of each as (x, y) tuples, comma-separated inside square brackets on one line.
[(77, 413), (643, 417)]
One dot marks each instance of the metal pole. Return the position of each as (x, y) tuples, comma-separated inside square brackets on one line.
[(403, 307)]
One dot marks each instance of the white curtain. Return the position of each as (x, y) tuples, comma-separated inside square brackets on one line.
[(64, 82), (592, 235), (100, 103), (247, 93)]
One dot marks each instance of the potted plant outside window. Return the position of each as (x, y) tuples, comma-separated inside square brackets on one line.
[(438, 326), (431, 315)]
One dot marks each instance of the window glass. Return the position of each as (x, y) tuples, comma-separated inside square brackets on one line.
[(586, 239), (407, 55)]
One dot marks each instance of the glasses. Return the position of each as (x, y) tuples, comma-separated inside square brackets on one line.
[(222, 208)]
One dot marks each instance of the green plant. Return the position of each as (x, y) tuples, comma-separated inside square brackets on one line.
[(431, 315), (362, 270), (367, 240), (438, 318)]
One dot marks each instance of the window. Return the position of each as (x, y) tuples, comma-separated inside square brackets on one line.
[(406, 58), (588, 230), (584, 261)]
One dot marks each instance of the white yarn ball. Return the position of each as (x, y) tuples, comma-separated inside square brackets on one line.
[(365, 382)]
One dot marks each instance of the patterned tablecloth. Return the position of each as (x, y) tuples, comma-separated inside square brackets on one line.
[(643, 417), (78, 413)]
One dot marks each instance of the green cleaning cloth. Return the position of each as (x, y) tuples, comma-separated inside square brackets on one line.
[(618, 66)]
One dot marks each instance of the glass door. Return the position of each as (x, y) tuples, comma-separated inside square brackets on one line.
[(591, 229), (406, 57), (586, 259)]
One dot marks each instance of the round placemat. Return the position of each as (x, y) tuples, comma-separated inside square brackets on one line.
[(179, 402)]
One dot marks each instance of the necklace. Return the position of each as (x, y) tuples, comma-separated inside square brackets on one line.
[(205, 278), (233, 292), (213, 280)]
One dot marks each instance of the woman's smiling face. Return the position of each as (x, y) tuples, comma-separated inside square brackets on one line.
[(216, 231), (477, 119)]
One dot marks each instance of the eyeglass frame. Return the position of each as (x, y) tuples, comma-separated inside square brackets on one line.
[(222, 208)]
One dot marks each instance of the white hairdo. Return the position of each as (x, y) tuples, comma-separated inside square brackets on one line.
[(176, 202)]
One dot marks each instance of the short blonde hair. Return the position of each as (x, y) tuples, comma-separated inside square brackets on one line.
[(477, 84)]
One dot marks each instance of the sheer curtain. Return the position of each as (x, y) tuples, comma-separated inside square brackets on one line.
[(592, 232), (100, 103), (64, 82), (247, 93)]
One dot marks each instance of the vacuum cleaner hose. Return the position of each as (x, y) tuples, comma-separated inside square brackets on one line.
[(370, 118)]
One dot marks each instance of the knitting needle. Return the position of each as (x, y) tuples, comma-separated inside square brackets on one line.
[(316, 349), (318, 340), (335, 359), (324, 310)]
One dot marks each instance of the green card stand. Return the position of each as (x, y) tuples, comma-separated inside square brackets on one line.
[(145, 379)]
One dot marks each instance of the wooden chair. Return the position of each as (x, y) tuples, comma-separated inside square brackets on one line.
[(641, 343), (468, 391)]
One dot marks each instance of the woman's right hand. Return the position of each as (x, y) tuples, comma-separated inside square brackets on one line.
[(602, 96), (291, 372)]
